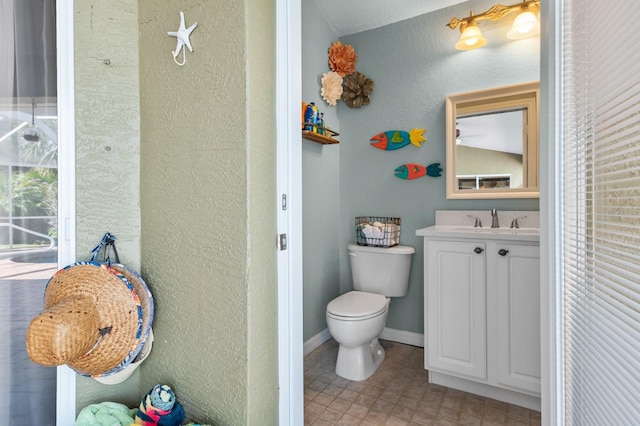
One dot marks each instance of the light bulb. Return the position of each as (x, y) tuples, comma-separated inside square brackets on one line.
[(525, 25), (471, 38)]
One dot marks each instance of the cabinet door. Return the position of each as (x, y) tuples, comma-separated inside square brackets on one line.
[(517, 280), (455, 303)]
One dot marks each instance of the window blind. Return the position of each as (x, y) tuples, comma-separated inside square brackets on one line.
[(600, 238)]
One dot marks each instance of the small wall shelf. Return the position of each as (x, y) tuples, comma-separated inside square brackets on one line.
[(323, 139)]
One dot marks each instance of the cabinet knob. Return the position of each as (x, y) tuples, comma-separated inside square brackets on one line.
[(503, 252), (478, 250)]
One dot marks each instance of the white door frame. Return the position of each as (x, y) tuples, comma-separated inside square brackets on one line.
[(550, 211), (289, 205), (66, 383), (290, 221)]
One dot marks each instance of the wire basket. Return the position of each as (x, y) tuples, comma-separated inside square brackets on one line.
[(377, 231)]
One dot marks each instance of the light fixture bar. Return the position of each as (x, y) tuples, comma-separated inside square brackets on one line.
[(495, 13)]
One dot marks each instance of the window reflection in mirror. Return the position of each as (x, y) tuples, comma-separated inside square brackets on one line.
[(492, 143), (489, 150)]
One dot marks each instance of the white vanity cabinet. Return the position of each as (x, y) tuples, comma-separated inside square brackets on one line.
[(482, 312), (515, 277), (455, 308)]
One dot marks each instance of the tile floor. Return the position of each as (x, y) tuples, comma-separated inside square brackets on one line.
[(398, 393)]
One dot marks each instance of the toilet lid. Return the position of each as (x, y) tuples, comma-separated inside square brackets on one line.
[(357, 304)]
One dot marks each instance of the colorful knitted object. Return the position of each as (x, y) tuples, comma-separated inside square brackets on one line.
[(159, 408)]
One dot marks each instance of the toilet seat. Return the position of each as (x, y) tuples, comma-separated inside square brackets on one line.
[(357, 305)]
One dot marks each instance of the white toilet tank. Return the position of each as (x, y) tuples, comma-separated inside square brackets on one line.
[(380, 270)]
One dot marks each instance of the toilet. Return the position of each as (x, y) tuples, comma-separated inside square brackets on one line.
[(356, 319)]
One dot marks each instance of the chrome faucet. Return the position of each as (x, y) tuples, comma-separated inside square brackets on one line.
[(494, 219), (478, 223), (514, 222)]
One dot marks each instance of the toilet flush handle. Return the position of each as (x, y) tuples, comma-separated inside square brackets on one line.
[(353, 255)]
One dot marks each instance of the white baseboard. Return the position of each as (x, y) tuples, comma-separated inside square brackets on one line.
[(400, 336), (315, 341)]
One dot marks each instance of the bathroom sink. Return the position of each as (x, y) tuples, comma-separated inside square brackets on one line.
[(458, 224), (530, 234)]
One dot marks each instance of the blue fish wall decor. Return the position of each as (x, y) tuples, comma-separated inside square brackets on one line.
[(396, 139), (414, 171)]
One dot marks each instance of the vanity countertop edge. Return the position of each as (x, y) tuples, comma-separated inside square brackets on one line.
[(502, 234)]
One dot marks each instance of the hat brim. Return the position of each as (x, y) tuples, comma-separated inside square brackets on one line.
[(118, 304), (126, 371), (146, 302)]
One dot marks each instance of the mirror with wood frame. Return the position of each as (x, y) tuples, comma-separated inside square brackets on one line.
[(492, 143)]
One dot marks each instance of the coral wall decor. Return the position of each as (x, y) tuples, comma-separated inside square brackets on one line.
[(342, 58), (343, 81), (331, 87), (356, 90)]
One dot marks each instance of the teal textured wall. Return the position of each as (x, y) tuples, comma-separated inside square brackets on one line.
[(321, 179)]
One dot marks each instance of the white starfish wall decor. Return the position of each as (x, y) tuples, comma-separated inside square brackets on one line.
[(182, 38)]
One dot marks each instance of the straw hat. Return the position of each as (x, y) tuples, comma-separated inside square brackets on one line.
[(93, 320), (125, 370)]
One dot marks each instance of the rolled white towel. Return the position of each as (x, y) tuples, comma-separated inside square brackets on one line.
[(392, 234), (373, 233), (391, 228)]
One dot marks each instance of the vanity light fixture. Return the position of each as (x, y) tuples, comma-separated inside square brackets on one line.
[(471, 37), (525, 25)]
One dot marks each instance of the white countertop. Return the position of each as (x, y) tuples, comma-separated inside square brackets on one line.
[(457, 224)]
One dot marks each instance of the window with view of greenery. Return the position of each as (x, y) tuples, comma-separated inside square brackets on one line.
[(28, 177)]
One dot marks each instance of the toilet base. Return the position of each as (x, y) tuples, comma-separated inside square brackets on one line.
[(359, 363)]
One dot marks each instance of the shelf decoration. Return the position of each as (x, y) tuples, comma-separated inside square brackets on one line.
[(182, 40), (342, 58), (314, 127), (414, 171), (331, 87), (396, 139)]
